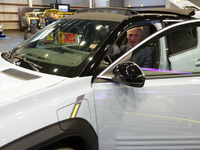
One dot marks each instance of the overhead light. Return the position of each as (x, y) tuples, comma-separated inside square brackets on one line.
[(55, 70), (98, 27), (82, 43)]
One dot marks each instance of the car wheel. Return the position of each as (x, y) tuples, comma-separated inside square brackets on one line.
[(58, 146)]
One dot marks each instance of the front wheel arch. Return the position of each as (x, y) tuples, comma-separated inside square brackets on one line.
[(73, 129), (77, 133), (71, 143)]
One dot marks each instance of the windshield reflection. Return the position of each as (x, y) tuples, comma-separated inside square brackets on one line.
[(64, 48)]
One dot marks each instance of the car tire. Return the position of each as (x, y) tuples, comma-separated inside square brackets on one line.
[(58, 146)]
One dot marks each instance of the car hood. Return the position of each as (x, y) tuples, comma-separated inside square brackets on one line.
[(197, 14), (17, 81)]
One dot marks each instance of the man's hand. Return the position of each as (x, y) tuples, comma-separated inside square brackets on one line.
[(92, 46)]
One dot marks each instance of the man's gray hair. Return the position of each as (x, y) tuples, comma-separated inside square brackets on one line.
[(138, 28)]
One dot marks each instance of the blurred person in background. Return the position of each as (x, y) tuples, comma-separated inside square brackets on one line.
[(25, 25), (55, 17), (41, 22)]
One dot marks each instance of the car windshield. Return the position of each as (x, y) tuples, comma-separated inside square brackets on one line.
[(64, 48)]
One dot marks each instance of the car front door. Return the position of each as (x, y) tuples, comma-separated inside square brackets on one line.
[(163, 114)]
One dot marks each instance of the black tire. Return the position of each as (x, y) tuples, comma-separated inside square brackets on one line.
[(57, 146)]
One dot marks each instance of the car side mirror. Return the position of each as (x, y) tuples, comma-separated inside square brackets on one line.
[(129, 74)]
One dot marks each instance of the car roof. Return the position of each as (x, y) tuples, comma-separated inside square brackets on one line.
[(179, 12), (119, 14), (129, 12), (98, 16), (116, 10)]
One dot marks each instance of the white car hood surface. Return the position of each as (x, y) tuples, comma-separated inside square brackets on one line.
[(12, 87), (25, 103)]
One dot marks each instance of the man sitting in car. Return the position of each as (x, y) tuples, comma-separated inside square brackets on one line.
[(143, 58)]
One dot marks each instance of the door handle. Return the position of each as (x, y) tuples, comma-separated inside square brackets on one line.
[(197, 64)]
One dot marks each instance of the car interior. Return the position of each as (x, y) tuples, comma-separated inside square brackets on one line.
[(147, 31)]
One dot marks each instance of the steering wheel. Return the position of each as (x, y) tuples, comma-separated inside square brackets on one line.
[(108, 59)]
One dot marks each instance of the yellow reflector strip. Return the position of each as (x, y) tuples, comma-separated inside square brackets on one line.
[(75, 110)]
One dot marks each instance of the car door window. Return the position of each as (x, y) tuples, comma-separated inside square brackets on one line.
[(182, 40), (181, 55), (183, 49), (123, 45), (184, 60), (147, 30)]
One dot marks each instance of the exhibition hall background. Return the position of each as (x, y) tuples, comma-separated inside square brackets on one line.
[(9, 15)]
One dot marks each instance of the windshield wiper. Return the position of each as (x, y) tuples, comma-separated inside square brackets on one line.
[(32, 64), (6, 56)]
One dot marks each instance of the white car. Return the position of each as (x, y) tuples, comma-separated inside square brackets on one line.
[(58, 93)]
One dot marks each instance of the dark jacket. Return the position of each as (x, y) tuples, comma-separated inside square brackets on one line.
[(143, 58), (48, 21), (24, 22)]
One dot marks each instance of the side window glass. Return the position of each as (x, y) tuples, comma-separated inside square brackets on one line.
[(129, 39), (175, 53), (184, 61), (183, 49), (148, 56), (181, 40)]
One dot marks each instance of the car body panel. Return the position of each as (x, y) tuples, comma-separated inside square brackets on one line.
[(163, 114), (74, 127), (38, 104), (10, 83), (151, 117)]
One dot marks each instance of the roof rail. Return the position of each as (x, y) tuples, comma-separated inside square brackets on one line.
[(116, 10), (129, 12)]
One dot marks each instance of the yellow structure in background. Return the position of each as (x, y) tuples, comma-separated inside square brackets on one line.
[(60, 13), (33, 15)]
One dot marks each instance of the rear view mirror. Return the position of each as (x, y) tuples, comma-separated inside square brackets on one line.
[(129, 74)]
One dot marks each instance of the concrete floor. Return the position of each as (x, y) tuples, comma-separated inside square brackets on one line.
[(12, 39)]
